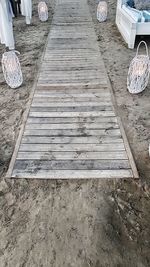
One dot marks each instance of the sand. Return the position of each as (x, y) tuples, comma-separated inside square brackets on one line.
[(91, 223)]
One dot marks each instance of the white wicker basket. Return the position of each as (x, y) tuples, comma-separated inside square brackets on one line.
[(43, 11), (138, 74), (102, 11), (12, 69)]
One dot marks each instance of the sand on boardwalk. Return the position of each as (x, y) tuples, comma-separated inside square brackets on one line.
[(91, 223)]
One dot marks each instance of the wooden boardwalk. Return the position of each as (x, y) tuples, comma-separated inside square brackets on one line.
[(71, 129)]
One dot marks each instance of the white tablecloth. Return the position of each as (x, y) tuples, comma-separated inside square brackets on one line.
[(26, 10), (6, 28)]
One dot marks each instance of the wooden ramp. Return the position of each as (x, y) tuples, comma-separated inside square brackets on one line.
[(71, 129)]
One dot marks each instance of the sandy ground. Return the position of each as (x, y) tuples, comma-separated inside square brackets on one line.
[(93, 223)]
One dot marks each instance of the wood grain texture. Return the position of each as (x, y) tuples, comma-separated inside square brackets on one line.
[(71, 140), (73, 174), (67, 155), (72, 147), (35, 165)]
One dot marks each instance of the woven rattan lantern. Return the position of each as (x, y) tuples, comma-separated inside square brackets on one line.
[(43, 11), (12, 69), (138, 75), (102, 11)]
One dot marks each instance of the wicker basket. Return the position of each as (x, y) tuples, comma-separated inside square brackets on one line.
[(43, 11), (12, 69), (102, 11), (138, 75)]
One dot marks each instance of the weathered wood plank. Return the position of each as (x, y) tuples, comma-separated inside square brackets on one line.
[(71, 67), (57, 120), (68, 45), (71, 104), (75, 89), (72, 155), (42, 98), (72, 114), (72, 75), (72, 52), (51, 92), (71, 109), (71, 140), (72, 174), (35, 165), (70, 35), (75, 73), (74, 82), (47, 84), (72, 147), (74, 132), (45, 79), (58, 126)]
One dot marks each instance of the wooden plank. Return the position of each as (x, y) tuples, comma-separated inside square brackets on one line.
[(71, 109), (80, 59), (73, 82), (37, 120), (72, 174), (35, 165), (50, 93), (62, 42), (74, 73), (83, 66), (93, 62), (71, 86), (71, 67), (74, 132), (63, 84), (72, 147), (71, 140), (72, 114), (83, 88), (72, 52), (45, 79), (78, 56), (58, 126), (72, 155), (70, 35), (67, 45), (76, 62), (47, 94), (80, 74), (72, 105), (72, 78), (54, 100), (71, 59), (100, 93)]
